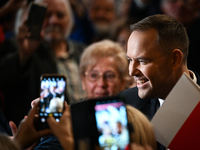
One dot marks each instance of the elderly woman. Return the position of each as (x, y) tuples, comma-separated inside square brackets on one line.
[(104, 70)]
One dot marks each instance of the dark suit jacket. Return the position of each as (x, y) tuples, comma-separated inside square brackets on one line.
[(131, 97)]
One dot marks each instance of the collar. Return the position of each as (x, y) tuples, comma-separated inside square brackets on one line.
[(193, 76)]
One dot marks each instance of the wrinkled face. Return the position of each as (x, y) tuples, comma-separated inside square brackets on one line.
[(178, 10), (102, 13), (56, 22), (148, 66), (103, 79)]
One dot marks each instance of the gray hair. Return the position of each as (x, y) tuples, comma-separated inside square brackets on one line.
[(24, 10)]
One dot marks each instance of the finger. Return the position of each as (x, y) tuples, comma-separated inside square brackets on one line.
[(45, 132), (66, 110), (52, 122), (33, 111), (13, 127), (34, 102)]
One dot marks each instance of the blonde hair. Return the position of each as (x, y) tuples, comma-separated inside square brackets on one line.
[(105, 48), (7, 143), (143, 133)]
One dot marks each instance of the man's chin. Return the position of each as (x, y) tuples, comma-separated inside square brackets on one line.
[(53, 39), (143, 94)]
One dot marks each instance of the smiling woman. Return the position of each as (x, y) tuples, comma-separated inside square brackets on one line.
[(104, 69)]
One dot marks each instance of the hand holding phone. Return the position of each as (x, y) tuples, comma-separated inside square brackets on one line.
[(100, 122), (52, 98), (36, 15)]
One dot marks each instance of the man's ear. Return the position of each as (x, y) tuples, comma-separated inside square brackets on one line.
[(177, 59)]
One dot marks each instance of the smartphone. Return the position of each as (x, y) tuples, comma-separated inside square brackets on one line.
[(36, 15), (101, 123), (52, 98), (112, 124)]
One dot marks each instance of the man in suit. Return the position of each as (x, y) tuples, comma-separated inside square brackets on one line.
[(157, 52)]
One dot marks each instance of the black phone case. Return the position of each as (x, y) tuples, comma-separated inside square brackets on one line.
[(35, 19), (84, 122)]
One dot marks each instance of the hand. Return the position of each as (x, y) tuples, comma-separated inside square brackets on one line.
[(63, 129), (11, 6), (27, 133), (34, 102), (27, 46), (13, 128)]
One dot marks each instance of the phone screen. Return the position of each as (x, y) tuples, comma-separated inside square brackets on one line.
[(52, 97), (111, 121)]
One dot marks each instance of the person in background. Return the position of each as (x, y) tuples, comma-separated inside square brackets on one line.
[(52, 53), (139, 9), (104, 70), (102, 14), (8, 9), (7, 143), (188, 14), (157, 53), (120, 31), (83, 30)]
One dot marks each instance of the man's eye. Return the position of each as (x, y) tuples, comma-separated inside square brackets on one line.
[(143, 62), (129, 59)]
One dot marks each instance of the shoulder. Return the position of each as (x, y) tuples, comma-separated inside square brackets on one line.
[(75, 46), (75, 49)]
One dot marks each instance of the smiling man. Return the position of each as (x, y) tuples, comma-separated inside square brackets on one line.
[(157, 53)]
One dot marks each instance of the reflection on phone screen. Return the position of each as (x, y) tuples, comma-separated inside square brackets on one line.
[(111, 119), (52, 97)]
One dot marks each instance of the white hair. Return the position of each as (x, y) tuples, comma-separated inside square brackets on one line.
[(21, 16)]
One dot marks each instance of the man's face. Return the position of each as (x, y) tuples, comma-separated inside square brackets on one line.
[(149, 67), (56, 22), (178, 10), (102, 87), (102, 13)]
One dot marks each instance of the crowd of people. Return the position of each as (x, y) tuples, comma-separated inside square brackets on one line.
[(90, 41)]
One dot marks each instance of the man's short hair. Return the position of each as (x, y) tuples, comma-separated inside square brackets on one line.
[(171, 33)]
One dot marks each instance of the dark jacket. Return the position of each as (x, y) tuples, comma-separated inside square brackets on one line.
[(131, 97), (20, 86)]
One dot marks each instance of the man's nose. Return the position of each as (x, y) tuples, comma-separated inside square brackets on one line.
[(53, 19), (133, 69)]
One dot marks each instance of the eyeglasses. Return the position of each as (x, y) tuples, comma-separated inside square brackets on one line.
[(94, 76)]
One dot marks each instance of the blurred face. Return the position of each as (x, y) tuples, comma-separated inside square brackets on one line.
[(122, 38), (148, 66), (179, 10), (103, 79), (56, 21), (102, 13)]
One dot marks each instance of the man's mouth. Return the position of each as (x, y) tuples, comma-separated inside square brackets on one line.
[(141, 82)]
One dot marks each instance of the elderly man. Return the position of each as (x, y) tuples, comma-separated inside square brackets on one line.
[(20, 73), (102, 14), (157, 53)]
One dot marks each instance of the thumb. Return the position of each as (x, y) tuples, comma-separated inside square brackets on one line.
[(52, 122), (13, 127)]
